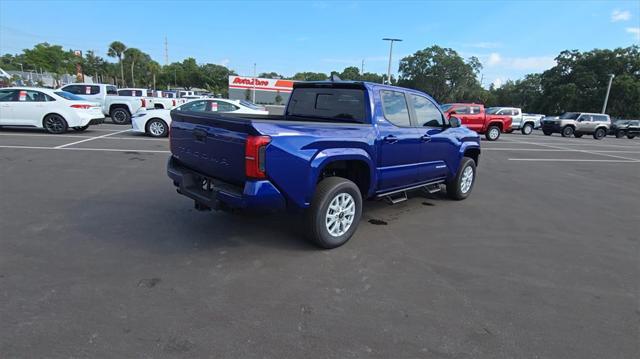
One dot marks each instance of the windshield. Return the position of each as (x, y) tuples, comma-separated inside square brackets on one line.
[(250, 104), (445, 107), (328, 103), (69, 96), (492, 110), (569, 116)]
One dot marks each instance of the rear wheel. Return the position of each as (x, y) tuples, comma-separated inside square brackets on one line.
[(55, 124), (527, 129), (631, 137), (460, 187), (493, 133), (334, 213), (599, 133), (567, 131), (120, 116), (81, 128), (620, 134), (157, 128)]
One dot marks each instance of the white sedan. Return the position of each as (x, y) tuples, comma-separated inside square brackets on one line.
[(155, 123), (54, 110)]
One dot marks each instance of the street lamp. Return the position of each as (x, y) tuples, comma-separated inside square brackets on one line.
[(390, 54), (606, 97)]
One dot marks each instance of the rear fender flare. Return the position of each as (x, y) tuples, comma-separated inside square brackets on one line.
[(327, 156)]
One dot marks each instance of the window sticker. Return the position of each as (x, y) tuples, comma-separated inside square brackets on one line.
[(214, 106), (87, 90), (23, 96)]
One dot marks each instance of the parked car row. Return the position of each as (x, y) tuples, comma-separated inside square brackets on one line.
[(578, 124)]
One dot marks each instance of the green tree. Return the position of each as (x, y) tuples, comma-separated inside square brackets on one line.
[(442, 73), (117, 49), (270, 75), (310, 76), (133, 55)]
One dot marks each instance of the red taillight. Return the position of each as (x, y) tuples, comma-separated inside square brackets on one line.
[(144, 102), (84, 107), (254, 156), (174, 102)]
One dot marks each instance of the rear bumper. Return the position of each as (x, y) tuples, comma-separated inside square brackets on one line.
[(96, 121), (258, 195)]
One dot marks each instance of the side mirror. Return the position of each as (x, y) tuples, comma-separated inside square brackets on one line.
[(453, 112), (454, 122)]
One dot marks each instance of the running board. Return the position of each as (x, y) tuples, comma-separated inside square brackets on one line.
[(431, 187)]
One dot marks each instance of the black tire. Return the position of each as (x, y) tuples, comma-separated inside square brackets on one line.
[(577, 134), (631, 137), (80, 128), (599, 133), (120, 116), (547, 133), (527, 129), (317, 215), (509, 130), (157, 128), (55, 124), (620, 134), (567, 131), (493, 133), (455, 185)]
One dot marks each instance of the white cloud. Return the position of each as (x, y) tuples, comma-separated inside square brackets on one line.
[(497, 83), (224, 62), (620, 15), (532, 63), (635, 31), (494, 59)]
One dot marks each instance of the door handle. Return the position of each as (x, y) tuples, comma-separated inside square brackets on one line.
[(390, 139), (425, 138)]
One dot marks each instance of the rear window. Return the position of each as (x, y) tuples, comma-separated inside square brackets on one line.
[(329, 103), (134, 93), (69, 96), (112, 90)]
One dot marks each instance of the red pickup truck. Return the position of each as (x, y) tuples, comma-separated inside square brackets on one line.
[(475, 118)]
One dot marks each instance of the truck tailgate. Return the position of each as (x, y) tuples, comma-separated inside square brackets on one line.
[(211, 144)]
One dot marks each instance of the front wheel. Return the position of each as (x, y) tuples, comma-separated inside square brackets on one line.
[(599, 134), (81, 128), (157, 128), (567, 131), (631, 137), (547, 133), (460, 187), (334, 213), (55, 124), (493, 133), (120, 116), (527, 129)]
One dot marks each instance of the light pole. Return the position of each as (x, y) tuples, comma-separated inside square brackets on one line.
[(390, 54), (21, 69), (606, 98), (254, 82)]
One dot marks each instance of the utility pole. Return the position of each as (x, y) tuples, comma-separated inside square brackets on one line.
[(254, 82), (166, 51), (391, 41), (606, 98), (362, 67)]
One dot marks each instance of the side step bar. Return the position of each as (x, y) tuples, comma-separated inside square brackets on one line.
[(400, 195)]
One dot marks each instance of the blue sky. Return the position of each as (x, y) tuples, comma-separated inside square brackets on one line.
[(511, 38)]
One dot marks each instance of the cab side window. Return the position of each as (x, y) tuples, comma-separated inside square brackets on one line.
[(475, 110), (112, 90), (8, 95), (74, 89), (394, 107), (427, 113), (463, 110)]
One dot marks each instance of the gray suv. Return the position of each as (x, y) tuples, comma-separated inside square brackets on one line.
[(578, 124)]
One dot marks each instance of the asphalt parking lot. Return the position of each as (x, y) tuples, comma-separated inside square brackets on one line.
[(99, 257)]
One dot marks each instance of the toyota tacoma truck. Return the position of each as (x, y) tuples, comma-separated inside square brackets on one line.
[(119, 108), (337, 144), (475, 118)]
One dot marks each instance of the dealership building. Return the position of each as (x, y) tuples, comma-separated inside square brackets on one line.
[(241, 88)]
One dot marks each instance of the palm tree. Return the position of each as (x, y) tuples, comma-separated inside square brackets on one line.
[(117, 49), (154, 68), (133, 55)]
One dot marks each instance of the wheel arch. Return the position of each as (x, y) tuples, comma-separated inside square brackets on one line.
[(351, 163), (53, 113)]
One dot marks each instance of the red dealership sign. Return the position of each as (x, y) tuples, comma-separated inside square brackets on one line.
[(241, 82)]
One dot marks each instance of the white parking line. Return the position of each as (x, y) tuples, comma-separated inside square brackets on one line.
[(85, 149), (569, 160), (91, 139), (43, 135), (571, 149), (551, 150)]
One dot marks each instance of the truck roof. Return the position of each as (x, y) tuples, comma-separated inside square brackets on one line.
[(358, 84)]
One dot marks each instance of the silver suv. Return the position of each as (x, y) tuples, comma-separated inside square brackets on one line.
[(578, 124)]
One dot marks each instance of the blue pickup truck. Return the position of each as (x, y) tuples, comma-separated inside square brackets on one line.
[(337, 144)]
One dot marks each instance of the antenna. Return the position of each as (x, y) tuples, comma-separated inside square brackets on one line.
[(166, 51)]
